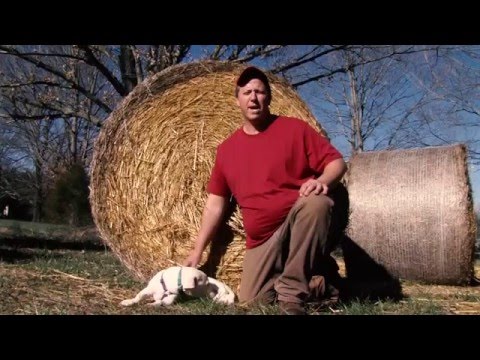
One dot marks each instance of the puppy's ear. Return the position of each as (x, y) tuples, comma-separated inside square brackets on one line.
[(213, 289), (189, 282)]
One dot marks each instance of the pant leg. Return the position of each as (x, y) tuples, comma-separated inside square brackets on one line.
[(306, 232), (261, 266), (284, 263)]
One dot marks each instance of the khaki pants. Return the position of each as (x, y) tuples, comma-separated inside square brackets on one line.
[(283, 265)]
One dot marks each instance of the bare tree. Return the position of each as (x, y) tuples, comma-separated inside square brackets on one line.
[(370, 104), (6, 160), (451, 81), (34, 143), (70, 69), (54, 97), (46, 139)]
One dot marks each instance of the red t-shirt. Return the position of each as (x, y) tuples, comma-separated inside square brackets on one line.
[(264, 172)]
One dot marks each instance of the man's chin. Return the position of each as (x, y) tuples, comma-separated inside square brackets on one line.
[(256, 119)]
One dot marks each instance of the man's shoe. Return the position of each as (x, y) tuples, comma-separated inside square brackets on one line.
[(316, 288), (290, 308), (322, 293)]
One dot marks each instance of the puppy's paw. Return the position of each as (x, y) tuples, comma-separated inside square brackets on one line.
[(155, 304), (127, 302)]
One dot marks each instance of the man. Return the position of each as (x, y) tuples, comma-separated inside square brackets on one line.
[(280, 171)]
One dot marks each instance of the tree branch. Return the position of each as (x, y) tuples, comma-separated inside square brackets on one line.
[(91, 59), (50, 69)]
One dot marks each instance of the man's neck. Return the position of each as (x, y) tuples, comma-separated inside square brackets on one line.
[(251, 128)]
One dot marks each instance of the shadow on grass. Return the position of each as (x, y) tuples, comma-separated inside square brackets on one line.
[(52, 244), (13, 256), (27, 255), (366, 279)]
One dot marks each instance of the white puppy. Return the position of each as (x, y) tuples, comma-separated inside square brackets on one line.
[(168, 284)]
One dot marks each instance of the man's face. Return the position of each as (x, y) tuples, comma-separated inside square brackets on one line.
[(253, 101)]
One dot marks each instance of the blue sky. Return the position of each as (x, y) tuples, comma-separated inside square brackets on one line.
[(474, 172)]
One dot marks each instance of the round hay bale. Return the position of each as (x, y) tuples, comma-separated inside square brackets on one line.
[(411, 212), (152, 161)]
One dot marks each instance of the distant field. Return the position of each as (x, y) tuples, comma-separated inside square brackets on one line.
[(32, 228), (28, 229)]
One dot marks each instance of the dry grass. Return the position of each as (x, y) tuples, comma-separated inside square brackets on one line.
[(94, 283), (53, 292), (29, 291)]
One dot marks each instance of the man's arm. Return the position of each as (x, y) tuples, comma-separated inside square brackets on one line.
[(333, 173), (213, 213), (330, 177)]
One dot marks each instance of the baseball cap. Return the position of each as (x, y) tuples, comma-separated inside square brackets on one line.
[(250, 73)]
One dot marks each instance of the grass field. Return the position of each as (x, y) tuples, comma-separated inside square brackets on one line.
[(49, 269)]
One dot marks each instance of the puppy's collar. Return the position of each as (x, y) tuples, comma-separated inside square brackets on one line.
[(165, 290), (179, 285), (179, 280)]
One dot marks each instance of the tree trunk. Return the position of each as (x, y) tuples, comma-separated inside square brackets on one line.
[(38, 195), (72, 130), (127, 67), (356, 109)]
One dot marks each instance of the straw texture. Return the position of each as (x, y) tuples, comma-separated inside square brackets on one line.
[(152, 161), (412, 213)]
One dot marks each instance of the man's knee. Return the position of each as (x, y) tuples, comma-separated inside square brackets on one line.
[(316, 205)]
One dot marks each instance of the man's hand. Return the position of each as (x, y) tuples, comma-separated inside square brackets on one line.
[(193, 259), (315, 186)]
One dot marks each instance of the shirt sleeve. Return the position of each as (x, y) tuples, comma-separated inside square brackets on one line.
[(318, 149), (218, 184)]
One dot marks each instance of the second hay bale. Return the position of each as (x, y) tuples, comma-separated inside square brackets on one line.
[(412, 213)]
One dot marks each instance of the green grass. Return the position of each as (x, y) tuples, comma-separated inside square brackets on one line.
[(33, 228), (402, 307), (92, 265)]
